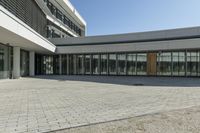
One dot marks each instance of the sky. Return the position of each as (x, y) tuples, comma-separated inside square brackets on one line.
[(105, 17)]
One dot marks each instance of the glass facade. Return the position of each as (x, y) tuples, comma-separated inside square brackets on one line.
[(167, 63), (87, 65), (112, 64), (79, 64), (95, 64), (131, 64), (121, 64), (164, 63), (24, 63), (193, 63), (141, 64), (104, 64), (5, 61), (46, 64)]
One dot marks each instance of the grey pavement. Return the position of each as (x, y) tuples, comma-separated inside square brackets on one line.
[(53, 103)]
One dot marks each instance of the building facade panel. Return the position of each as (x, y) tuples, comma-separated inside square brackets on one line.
[(28, 12)]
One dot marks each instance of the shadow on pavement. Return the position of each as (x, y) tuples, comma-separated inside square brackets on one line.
[(130, 81)]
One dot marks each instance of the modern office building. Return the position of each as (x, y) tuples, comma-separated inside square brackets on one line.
[(47, 37)]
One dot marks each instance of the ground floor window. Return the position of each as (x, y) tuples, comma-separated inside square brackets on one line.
[(193, 61), (161, 63), (141, 64), (131, 64), (87, 65), (5, 61), (104, 64), (24, 63), (112, 64), (95, 64), (164, 63), (79, 64), (121, 64)]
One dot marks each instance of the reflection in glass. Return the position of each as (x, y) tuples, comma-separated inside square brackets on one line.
[(71, 64), (6, 54), (95, 64), (141, 64), (182, 64), (24, 63), (79, 64), (64, 64), (175, 63), (131, 64), (164, 63), (178, 63), (121, 64), (112, 64), (87, 64), (192, 63), (104, 64)]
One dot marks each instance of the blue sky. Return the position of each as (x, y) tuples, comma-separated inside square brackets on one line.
[(124, 16)]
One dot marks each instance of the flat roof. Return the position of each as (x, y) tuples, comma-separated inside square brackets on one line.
[(161, 35)]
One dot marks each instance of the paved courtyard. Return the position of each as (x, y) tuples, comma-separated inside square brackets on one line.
[(45, 104)]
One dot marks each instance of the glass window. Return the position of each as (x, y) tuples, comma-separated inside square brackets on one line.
[(164, 63), (141, 64), (175, 63), (87, 64), (112, 64), (104, 64), (192, 63), (182, 64), (6, 58), (131, 64), (178, 59), (59, 15), (95, 64), (24, 63), (71, 65), (64, 64), (56, 64), (121, 64), (80, 64)]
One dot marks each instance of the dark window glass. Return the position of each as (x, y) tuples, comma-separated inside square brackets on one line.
[(80, 64), (131, 64), (87, 64), (112, 64), (64, 64), (141, 64), (192, 63), (164, 63), (178, 59), (95, 64), (24, 63), (104, 64), (121, 64)]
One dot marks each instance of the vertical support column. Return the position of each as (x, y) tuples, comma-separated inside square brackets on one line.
[(16, 62), (32, 63), (60, 64)]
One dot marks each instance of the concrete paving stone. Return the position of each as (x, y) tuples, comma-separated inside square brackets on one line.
[(48, 104)]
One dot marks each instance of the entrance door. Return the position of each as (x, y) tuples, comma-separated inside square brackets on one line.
[(151, 64)]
